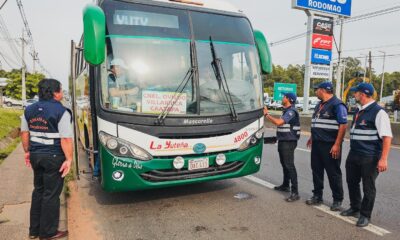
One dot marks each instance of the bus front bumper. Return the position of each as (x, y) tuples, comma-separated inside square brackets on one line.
[(127, 174)]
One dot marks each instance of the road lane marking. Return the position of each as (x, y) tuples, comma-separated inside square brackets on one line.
[(371, 228), (303, 149), (260, 181)]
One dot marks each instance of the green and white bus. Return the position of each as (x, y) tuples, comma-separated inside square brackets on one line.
[(169, 92)]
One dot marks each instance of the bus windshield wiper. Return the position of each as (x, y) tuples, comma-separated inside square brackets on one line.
[(189, 75), (222, 83)]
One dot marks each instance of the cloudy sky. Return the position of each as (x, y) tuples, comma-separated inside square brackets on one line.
[(54, 23)]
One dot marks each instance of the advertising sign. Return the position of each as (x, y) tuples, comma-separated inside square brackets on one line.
[(334, 7), (280, 88), (320, 71), (319, 56), (156, 102), (322, 26), (322, 41)]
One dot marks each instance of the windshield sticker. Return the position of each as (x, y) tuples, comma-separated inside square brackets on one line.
[(156, 102), (145, 19)]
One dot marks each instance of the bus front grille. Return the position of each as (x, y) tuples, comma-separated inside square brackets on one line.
[(173, 175)]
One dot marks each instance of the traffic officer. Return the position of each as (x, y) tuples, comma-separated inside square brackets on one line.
[(370, 140), (328, 127), (47, 134), (288, 133)]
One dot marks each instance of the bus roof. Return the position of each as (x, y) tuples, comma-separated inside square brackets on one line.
[(210, 4)]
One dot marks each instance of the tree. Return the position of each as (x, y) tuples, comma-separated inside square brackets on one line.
[(14, 87)]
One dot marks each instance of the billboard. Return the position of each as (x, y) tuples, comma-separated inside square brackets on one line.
[(322, 41), (280, 88), (319, 56), (320, 71), (333, 7), (322, 26)]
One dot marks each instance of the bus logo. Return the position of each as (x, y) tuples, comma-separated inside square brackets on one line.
[(199, 148)]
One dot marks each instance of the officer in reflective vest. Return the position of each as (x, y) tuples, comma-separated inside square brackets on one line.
[(370, 140), (328, 127), (47, 134), (288, 133)]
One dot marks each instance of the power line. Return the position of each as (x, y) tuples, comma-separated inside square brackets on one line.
[(349, 20), (34, 53), (4, 3), (6, 61), (10, 41)]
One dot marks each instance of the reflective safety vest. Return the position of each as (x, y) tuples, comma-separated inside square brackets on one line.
[(289, 131), (324, 124), (43, 118), (364, 137)]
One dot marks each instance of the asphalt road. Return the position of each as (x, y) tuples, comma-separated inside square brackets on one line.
[(211, 211), (386, 212)]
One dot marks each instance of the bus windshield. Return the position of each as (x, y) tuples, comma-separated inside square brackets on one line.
[(149, 54)]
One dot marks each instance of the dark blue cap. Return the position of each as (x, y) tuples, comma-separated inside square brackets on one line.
[(291, 96), (366, 88), (325, 85)]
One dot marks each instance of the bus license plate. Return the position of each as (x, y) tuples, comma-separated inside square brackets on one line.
[(199, 163)]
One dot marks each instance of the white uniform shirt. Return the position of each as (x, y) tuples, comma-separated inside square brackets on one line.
[(382, 122)]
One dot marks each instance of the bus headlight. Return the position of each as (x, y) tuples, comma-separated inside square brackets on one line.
[(123, 148), (252, 140)]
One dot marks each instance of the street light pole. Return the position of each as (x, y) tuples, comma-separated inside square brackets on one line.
[(383, 75)]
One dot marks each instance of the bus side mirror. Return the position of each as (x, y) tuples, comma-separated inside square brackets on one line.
[(264, 52), (94, 34)]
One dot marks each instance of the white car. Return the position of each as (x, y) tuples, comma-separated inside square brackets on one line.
[(29, 102), (9, 102)]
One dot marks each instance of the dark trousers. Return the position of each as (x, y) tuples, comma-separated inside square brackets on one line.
[(359, 167), (321, 159), (286, 155), (48, 184)]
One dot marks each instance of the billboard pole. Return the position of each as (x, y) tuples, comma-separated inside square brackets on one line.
[(310, 16)]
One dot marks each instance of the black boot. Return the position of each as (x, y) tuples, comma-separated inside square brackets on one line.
[(293, 197), (362, 221), (314, 200), (351, 213), (336, 206), (282, 188)]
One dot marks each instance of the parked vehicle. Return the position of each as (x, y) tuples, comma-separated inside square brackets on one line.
[(28, 102), (9, 102)]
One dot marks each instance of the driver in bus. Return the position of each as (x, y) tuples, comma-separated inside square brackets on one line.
[(118, 84)]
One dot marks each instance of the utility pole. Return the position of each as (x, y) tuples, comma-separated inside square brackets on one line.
[(339, 70), (365, 66), (34, 57), (344, 75), (23, 72), (383, 75), (310, 18), (370, 67)]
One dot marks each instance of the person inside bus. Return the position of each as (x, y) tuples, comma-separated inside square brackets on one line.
[(119, 86)]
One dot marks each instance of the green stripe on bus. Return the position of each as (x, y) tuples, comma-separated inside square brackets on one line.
[(148, 37)]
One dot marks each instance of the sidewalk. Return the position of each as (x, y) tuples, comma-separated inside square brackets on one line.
[(16, 185)]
